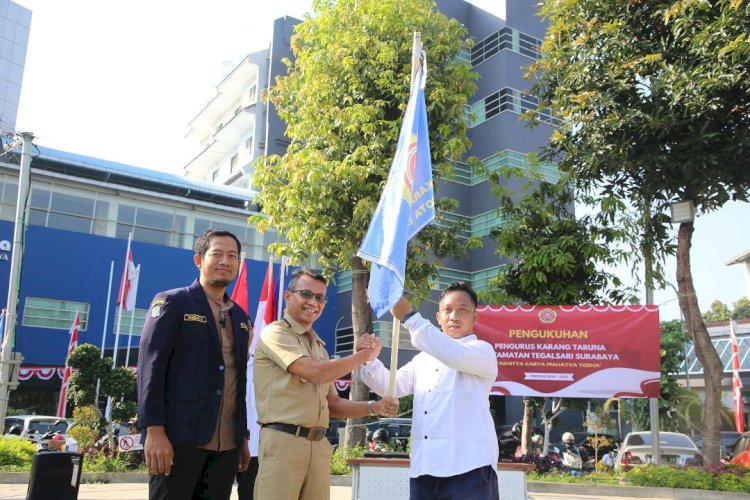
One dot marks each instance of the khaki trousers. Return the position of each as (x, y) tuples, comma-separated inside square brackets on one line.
[(292, 468)]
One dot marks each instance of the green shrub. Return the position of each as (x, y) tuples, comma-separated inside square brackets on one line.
[(339, 465), (728, 478), (16, 454), (102, 463), (85, 433), (558, 476)]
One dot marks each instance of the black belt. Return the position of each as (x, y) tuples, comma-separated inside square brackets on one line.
[(311, 434)]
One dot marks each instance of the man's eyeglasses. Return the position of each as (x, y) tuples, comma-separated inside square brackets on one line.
[(308, 295)]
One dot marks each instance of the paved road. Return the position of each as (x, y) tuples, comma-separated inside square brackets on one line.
[(136, 491)]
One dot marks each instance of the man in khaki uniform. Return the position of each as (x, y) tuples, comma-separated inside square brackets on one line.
[(295, 396)]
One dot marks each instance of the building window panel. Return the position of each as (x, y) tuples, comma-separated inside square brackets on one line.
[(54, 313), (137, 316), (69, 222)]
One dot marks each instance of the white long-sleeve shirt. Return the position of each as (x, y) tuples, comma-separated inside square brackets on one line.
[(452, 429)]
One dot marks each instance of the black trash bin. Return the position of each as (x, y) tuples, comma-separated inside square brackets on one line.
[(55, 475)]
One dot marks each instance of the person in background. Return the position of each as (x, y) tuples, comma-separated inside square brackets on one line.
[(191, 380), (246, 479), (295, 395), (454, 447)]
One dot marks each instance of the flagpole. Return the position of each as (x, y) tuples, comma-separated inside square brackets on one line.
[(121, 301), (106, 321), (282, 275), (132, 317)]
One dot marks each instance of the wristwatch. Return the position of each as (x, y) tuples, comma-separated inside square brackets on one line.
[(371, 408), (409, 315)]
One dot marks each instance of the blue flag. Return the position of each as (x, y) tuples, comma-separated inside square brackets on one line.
[(406, 205)]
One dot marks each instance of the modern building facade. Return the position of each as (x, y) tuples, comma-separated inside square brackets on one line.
[(15, 25), (237, 126), (81, 212)]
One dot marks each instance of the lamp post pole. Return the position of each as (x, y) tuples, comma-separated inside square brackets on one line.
[(9, 359)]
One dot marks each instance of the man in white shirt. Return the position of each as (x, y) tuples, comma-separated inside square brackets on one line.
[(454, 447)]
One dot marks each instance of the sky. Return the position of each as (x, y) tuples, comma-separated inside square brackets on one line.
[(120, 80)]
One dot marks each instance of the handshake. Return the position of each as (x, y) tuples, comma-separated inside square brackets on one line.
[(369, 343)]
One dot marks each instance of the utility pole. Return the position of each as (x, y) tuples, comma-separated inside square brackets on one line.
[(9, 360), (653, 403)]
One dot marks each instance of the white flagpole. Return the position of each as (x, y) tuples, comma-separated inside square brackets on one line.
[(282, 275), (132, 317), (416, 55), (121, 300), (106, 318)]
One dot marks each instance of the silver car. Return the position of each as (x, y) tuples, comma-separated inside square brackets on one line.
[(33, 427), (676, 449)]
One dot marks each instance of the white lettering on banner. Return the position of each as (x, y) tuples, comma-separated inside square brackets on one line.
[(567, 377)]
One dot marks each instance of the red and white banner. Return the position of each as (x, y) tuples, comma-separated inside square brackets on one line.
[(40, 372), (739, 411), (72, 344), (128, 283), (574, 351), (266, 312)]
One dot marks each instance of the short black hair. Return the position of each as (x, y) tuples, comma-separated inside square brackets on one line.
[(204, 240), (304, 271), (460, 286)]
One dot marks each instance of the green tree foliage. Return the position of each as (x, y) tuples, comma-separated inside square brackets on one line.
[(560, 258), (741, 308), (118, 383), (718, 312), (343, 101), (653, 97)]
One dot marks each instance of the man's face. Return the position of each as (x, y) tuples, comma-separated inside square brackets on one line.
[(220, 264), (457, 314), (305, 311)]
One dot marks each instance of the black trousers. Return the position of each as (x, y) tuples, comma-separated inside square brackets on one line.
[(246, 480), (476, 484), (197, 474)]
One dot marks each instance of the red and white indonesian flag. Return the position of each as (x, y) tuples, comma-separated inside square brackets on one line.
[(266, 306), (72, 344), (739, 411), (129, 284), (239, 294)]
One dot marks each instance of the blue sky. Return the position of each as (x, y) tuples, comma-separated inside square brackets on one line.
[(120, 80)]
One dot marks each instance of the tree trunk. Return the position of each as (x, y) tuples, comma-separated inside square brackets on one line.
[(527, 427), (713, 371), (361, 323)]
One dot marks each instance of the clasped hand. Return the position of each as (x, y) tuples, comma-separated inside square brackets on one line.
[(370, 343)]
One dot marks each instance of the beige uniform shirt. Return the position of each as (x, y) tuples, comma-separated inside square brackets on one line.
[(281, 396)]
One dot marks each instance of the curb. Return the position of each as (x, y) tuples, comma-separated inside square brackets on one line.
[(632, 491), (532, 486)]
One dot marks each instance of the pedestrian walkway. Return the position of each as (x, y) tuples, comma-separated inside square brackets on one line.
[(129, 491), (139, 491)]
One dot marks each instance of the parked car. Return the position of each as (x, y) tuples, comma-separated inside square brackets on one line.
[(33, 427), (676, 449), (727, 440), (740, 454)]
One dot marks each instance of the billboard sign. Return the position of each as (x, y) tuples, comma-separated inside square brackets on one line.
[(574, 351)]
